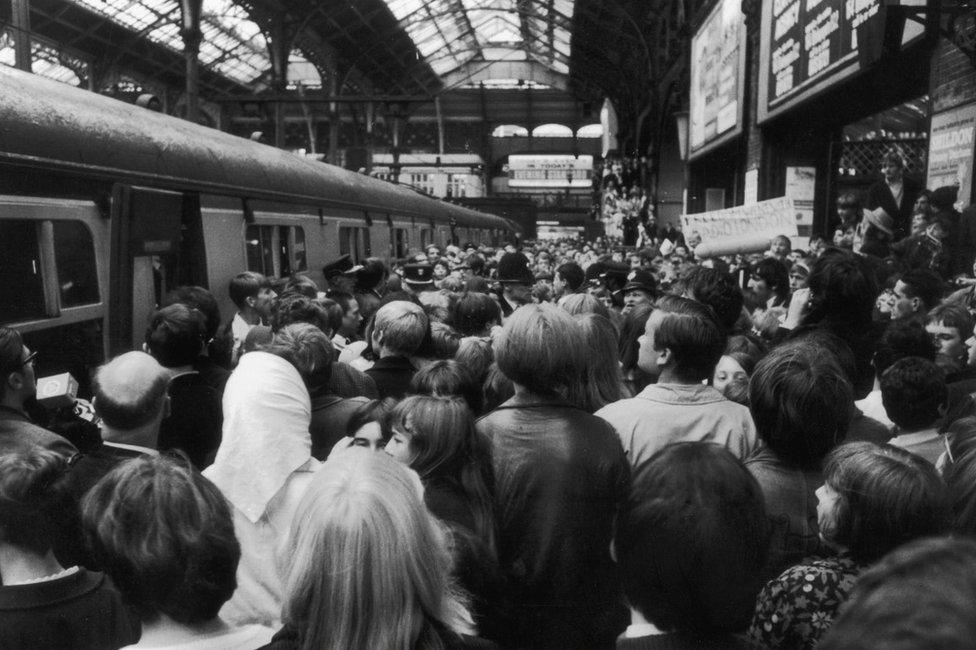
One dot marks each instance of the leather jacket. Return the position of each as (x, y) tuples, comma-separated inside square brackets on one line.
[(560, 478)]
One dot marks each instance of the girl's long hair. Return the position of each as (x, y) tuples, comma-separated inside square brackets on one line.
[(603, 381), (447, 446), (369, 567)]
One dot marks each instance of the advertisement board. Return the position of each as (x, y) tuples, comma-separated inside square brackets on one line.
[(718, 52), (808, 45), (950, 159)]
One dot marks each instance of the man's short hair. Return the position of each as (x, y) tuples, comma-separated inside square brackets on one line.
[(35, 498), (200, 299), (165, 536), (719, 291), (246, 285), (801, 402), (447, 378), (952, 315), (476, 355), (308, 349), (341, 298), (919, 596), (692, 539), (293, 308), (473, 313), (842, 289), (403, 325), (176, 335), (924, 284), (904, 337), (130, 390), (834, 345), (443, 342), (301, 284), (476, 263), (572, 274), (696, 340), (913, 390)]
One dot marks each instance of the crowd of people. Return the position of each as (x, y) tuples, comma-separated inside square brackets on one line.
[(624, 205), (550, 445)]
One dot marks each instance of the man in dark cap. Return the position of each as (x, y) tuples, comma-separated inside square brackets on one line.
[(516, 279), (640, 289), (615, 275), (340, 274), (418, 277), (369, 279)]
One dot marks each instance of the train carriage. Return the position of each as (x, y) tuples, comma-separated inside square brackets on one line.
[(104, 206)]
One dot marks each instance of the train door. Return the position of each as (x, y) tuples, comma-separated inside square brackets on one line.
[(380, 230), (399, 239), (355, 242), (157, 245)]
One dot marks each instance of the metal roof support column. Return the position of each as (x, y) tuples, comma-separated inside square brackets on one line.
[(191, 34), (487, 153), (280, 40), (20, 19), (333, 113), (440, 125)]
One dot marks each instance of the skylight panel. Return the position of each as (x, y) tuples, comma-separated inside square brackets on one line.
[(232, 44), (449, 32)]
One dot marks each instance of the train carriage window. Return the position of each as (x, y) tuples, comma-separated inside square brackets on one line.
[(276, 251), (260, 249), (74, 252), (299, 256), (22, 289), (347, 243)]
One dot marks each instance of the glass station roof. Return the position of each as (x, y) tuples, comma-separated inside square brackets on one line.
[(232, 45), (450, 33)]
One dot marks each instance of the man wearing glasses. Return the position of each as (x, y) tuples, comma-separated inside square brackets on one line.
[(18, 385)]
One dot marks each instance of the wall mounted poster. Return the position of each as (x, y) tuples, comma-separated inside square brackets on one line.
[(950, 159), (801, 183), (717, 77)]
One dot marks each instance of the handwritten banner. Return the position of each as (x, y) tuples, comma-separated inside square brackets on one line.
[(766, 218)]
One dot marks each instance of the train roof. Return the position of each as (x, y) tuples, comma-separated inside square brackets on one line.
[(49, 124)]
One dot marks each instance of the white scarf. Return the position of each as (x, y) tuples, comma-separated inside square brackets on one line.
[(267, 411)]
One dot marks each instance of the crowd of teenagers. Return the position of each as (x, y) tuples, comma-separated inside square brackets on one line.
[(552, 445)]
